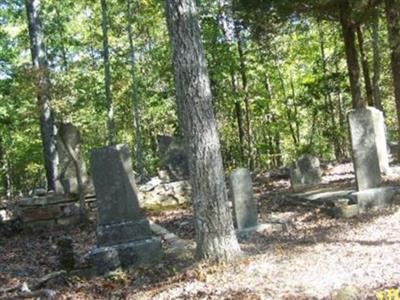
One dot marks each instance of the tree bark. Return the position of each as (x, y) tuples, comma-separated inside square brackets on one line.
[(135, 99), (107, 74), (227, 25), (41, 74), (249, 131), (392, 8), (215, 236), (376, 78), (327, 95), (351, 54), (365, 67)]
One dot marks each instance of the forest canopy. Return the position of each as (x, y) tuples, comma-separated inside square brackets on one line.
[(278, 75)]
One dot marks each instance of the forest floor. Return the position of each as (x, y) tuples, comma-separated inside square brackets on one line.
[(315, 257)]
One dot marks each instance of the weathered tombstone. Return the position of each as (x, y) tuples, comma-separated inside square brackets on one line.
[(173, 157), (244, 204), (368, 143), (305, 172), (123, 235), (68, 136)]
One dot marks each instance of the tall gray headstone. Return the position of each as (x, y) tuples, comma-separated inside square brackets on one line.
[(368, 143), (305, 172), (244, 204), (123, 234)]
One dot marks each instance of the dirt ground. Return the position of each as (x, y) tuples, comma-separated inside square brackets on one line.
[(315, 257)]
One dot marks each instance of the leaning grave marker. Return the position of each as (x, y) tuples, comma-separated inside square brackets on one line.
[(123, 234)]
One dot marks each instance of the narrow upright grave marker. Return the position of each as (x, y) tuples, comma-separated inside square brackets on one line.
[(68, 137), (305, 172), (368, 143), (123, 235), (244, 204)]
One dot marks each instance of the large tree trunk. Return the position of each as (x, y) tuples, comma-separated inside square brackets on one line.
[(376, 65), (392, 8), (41, 74), (348, 30), (135, 99), (365, 67), (215, 236), (107, 74)]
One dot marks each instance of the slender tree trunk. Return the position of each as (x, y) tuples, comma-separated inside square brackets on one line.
[(376, 78), (61, 37), (107, 74), (135, 98), (351, 54), (215, 236), (327, 95), (41, 74), (287, 108), (228, 28), (392, 8), (249, 131), (3, 167), (365, 67), (9, 180), (296, 113)]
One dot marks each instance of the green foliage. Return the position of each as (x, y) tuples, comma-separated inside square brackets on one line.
[(297, 99)]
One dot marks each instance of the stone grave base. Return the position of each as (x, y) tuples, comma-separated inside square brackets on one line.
[(347, 203), (117, 233), (268, 228), (132, 254)]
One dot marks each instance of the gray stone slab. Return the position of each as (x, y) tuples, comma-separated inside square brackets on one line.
[(305, 172), (138, 253), (123, 232), (380, 140), (376, 197), (244, 203), (365, 133), (116, 193)]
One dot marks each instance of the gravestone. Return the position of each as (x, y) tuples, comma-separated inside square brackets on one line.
[(244, 204), (305, 172), (368, 143), (173, 158), (123, 234), (68, 136)]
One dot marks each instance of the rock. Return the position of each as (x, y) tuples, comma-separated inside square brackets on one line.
[(157, 193), (39, 192), (376, 197), (305, 172), (244, 204), (345, 210), (173, 157)]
